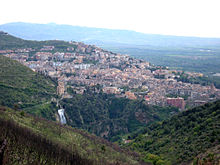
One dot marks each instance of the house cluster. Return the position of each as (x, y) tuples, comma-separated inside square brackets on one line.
[(82, 65)]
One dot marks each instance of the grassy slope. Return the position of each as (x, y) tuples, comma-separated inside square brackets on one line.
[(184, 136), (10, 41), (20, 85), (72, 141)]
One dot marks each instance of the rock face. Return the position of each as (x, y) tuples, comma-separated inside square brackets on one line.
[(62, 116)]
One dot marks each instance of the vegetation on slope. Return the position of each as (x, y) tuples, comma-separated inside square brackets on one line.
[(111, 117), (211, 156), (20, 87), (9, 41), (31, 140), (184, 136)]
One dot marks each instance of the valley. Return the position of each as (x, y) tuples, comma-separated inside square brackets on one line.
[(154, 114)]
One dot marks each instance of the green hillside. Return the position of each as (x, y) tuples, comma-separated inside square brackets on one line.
[(8, 41), (20, 87), (31, 140), (184, 136)]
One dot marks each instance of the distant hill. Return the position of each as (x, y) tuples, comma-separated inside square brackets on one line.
[(183, 137), (100, 36), (23, 88), (26, 140), (8, 41)]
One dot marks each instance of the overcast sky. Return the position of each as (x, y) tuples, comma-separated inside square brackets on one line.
[(175, 17)]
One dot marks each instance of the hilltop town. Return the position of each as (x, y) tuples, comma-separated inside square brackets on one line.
[(80, 66)]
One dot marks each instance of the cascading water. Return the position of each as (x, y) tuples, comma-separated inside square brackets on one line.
[(62, 116)]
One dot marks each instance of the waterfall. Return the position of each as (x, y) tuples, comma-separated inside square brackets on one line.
[(62, 116)]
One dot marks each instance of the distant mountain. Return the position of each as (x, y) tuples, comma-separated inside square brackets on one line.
[(193, 134), (100, 36)]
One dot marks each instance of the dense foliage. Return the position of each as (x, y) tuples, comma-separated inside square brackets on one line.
[(184, 136), (109, 117), (31, 140)]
